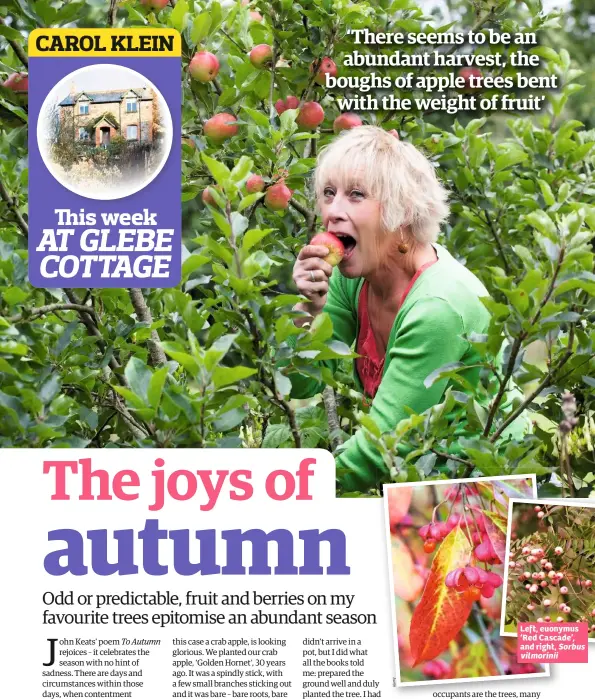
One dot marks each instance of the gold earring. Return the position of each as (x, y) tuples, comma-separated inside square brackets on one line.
[(403, 247)]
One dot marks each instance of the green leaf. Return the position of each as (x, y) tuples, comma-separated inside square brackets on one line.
[(540, 220), (275, 436), (241, 169), (254, 236), (200, 27), (178, 16), (510, 158), (138, 376), (219, 171), (50, 388), (135, 401), (155, 387), (257, 117), (224, 376), (321, 328)]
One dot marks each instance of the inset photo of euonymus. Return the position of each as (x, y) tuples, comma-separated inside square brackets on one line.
[(447, 545)]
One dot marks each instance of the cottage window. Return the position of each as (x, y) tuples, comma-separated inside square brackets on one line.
[(83, 134), (83, 108), (132, 132), (131, 105)]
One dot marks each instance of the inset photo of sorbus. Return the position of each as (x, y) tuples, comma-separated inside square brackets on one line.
[(550, 567), (446, 547)]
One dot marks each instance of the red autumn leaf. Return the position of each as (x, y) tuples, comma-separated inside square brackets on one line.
[(442, 611), (398, 501), (407, 581), (496, 531)]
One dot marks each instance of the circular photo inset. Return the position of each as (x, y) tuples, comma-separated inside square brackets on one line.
[(104, 131)]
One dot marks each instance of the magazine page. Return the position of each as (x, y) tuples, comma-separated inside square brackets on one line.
[(296, 348)]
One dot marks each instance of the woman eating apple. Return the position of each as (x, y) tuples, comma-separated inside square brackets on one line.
[(400, 299)]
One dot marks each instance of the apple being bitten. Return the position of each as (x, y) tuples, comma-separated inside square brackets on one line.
[(334, 245)]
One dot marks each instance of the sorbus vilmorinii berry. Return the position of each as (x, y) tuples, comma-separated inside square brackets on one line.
[(558, 550), (541, 515), (564, 590)]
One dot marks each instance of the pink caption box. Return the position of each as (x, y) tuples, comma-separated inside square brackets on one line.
[(560, 642)]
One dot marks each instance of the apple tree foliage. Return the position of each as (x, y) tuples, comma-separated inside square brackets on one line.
[(207, 364)]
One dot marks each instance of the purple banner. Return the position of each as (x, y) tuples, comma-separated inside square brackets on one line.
[(104, 171)]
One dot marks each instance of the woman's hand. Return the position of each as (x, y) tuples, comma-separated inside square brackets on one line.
[(311, 275)]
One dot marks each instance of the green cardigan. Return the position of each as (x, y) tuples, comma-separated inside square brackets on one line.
[(441, 308)]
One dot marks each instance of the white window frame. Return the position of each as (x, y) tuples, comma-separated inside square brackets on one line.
[(84, 108), (130, 103), (84, 135), (132, 138)]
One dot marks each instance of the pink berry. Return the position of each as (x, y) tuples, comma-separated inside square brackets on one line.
[(548, 566), (537, 552), (530, 607), (535, 576), (588, 583), (537, 508), (540, 619), (593, 627), (558, 550), (533, 588), (526, 551), (560, 618), (552, 574), (564, 590), (541, 515), (593, 612), (527, 586), (531, 559), (543, 583), (548, 618), (512, 564), (547, 602)]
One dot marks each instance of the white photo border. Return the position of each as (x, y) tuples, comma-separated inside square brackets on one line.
[(388, 486)]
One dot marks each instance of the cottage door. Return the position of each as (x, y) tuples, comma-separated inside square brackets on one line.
[(104, 136)]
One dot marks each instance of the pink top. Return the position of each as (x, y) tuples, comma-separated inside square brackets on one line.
[(370, 365)]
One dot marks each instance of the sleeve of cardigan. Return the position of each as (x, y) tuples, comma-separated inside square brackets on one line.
[(429, 337), (343, 314)]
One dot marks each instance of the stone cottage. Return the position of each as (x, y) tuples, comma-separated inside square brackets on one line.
[(96, 117)]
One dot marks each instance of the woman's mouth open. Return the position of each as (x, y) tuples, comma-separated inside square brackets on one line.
[(349, 243)]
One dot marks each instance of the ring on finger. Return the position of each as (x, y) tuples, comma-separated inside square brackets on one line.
[(312, 277)]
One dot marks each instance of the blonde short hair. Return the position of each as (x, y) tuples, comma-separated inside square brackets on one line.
[(391, 171)]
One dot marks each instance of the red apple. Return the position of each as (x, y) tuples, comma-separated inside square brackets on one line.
[(277, 196), (466, 74), (207, 197), (189, 142), (290, 102), (310, 115), (204, 66), (334, 245), (154, 4), (327, 65), (221, 127), (17, 82), (261, 55), (346, 121), (255, 183)]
